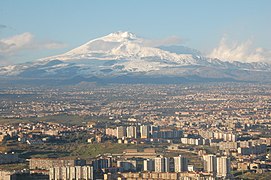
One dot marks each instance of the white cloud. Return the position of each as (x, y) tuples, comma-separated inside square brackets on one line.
[(12, 46), (244, 52), (15, 43)]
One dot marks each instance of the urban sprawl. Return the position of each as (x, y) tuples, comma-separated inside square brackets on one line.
[(189, 132)]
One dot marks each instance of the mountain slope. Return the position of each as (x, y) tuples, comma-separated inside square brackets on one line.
[(124, 54)]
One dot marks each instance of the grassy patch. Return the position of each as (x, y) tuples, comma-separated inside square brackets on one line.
[(92, 150), (81, 150)]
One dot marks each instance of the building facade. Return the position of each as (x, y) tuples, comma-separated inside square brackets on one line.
[(72, 172), (180, 164)]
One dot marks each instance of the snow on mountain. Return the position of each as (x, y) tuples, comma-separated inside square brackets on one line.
[(178, 49), (127, 49), (122, 53), (119, 45)]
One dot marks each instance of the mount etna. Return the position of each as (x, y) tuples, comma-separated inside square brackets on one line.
[(122, 57)]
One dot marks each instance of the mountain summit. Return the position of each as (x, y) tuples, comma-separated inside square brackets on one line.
[(123, 54), (117, 46), (97, 47)]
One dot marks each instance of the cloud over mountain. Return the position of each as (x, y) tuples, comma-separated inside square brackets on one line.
[(122, 55), (11, 47), (244, 52)]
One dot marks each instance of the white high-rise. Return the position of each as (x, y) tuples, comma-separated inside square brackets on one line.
[(180, 164), (223, 166), (167, 162), (145, 131), (219, 166), (161, 164), (131, 132), (121, 132), (209, 163)]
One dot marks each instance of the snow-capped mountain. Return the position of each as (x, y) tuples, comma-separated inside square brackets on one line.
[(128, 50), (124, 54), (115, 46)]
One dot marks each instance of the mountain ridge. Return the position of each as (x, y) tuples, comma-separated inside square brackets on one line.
[(123, 53)]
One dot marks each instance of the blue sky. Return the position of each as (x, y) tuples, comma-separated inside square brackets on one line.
[(44, 28)]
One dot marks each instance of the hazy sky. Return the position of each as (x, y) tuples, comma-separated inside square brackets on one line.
[(233, 29)]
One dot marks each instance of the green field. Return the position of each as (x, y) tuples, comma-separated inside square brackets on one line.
[(81, 150)]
